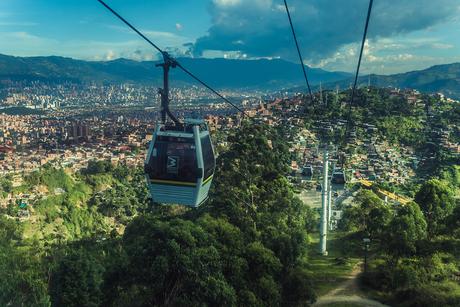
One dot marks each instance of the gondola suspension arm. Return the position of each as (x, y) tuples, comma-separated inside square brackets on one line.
[(164, 92)]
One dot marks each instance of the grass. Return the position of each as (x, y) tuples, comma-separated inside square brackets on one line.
[(328, 272)]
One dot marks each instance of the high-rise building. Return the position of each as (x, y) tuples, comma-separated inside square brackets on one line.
[(79, 132)]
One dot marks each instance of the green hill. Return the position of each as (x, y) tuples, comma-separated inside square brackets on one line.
[(436, 79)]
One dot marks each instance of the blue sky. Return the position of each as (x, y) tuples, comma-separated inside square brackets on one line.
[(403, 35)]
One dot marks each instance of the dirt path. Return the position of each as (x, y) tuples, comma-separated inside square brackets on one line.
[(348, 292)]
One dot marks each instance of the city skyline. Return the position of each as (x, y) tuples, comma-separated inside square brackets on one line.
[(403, 36)]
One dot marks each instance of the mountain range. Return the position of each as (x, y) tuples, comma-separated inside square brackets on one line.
[(220, 73)]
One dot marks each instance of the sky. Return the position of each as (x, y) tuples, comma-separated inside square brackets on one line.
[(404, 35)]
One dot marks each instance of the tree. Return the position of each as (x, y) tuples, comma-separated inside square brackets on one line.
[(22, 279), (405, 231), (229, 242), (370, 216), (6, 185), (454, 220), (250, 187), (50, 177), (252, 193), (169, 263), (263, 268), (402, 129), (451, 174), (436, 201), (298, 288), (98, 167), (77, 280), (22, 276), (10, 232)]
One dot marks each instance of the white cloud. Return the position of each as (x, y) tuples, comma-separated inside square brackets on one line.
[(323, 27), (163, 39), (226, 2), (442, 46), (26, 44), (388, 55), (110, 55)]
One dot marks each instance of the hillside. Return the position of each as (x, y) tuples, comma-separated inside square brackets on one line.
[(436, 79), (221, 73), (439, 78)]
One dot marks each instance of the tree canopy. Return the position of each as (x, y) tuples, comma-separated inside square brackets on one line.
[(436, 201)]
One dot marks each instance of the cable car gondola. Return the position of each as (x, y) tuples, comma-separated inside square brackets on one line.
[(338, 177), (307, 171), (180, 164), (180, 161)]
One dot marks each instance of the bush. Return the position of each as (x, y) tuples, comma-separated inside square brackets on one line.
[(51, 177), (298, 288), (435, 294)]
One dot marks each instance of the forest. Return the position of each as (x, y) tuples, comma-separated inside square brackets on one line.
[(99, 241)]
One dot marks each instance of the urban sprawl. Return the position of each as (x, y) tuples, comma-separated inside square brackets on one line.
[(114, 123)]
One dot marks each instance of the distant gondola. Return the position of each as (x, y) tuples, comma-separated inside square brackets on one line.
[(338, 177), (307, 171)]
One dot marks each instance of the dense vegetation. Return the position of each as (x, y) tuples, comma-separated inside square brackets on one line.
[(415, 249), (21, 111), (246, 246)]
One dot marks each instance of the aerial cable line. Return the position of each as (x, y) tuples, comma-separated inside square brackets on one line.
[(353, 92), (169, 58), (298, 50)]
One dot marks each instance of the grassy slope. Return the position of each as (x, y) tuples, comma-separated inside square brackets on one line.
[(330, 271)]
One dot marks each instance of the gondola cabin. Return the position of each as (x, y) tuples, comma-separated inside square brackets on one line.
[(307, 171), (180, 164), (338, 177)]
